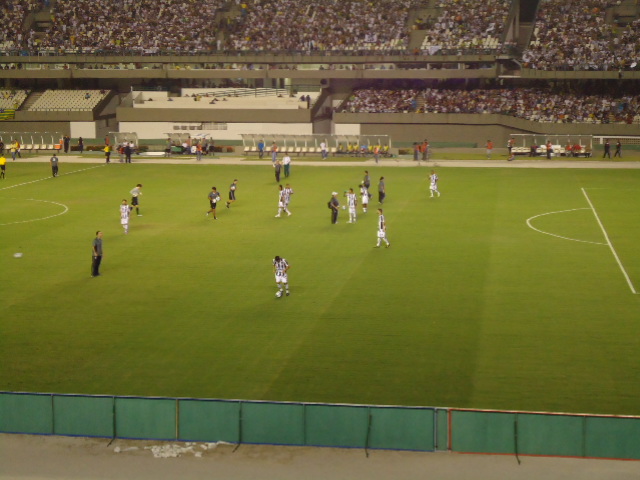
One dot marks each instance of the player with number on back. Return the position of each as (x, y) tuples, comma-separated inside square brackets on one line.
[(433, 187), (352, 201), (136, 192), (280, 268)]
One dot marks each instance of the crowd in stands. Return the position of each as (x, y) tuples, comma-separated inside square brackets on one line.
[(574, 35), (144, 26), (466, 23), (285, 25), (14, 14), (543, 104)]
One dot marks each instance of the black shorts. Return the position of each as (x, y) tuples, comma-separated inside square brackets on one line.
[(134, 201), (2, 167), (213, 204), (232, 194)]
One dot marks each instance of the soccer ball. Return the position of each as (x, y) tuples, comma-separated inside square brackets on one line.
[(279, 294)]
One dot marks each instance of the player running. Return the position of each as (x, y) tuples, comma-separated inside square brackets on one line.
[(124, 215), (283, 200), (232, 192), (213, 197), (136, 192), (364, 197), (280, 268)]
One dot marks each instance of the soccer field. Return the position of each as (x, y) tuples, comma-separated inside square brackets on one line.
[(514, 290)]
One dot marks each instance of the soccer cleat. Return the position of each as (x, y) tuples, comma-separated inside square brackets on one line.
[(376, 246), (289, 214), (388, 245), (287, 293), (277, 216), (227, 204)]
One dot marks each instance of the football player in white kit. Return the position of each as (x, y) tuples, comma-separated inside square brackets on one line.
[(382, 230), (433, 178), (283, 200), (352, 202), (280, 268), (124, 215), (364, 196)]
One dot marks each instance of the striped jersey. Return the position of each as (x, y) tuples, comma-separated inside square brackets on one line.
[(287, 192), (381, 223), (352, 200), (280, 266), (124, 212), (434, 179)]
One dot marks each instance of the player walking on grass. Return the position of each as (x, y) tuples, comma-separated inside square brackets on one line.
[(232, 192), (284, 195), (135, 198), (3, 166), (364, 197), (96, 257), (213, 197), (352, 203), (54, 165), (433, 178), (125, 211), (382, 230), (280, 269)]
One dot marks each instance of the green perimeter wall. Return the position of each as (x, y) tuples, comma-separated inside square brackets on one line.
[(327, 425)]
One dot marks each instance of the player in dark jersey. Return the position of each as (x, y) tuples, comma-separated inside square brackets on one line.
[(213, 197), (232, 192)]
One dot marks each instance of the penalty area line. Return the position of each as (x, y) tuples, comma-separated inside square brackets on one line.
[(606, 237)]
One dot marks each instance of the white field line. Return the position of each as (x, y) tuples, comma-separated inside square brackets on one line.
[(66, 209), (49, 178), (559, 236), (606, 236)]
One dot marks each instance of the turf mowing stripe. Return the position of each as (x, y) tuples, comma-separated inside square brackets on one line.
[(613, 250), (48, 178)]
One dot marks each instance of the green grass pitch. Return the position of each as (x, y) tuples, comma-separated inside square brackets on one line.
[(470, 307)]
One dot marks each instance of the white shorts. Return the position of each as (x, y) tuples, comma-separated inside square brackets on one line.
[(434, 187), (382, 234), (124, 221), (282, 278), (281, 205), (365, 199), (352, 210)]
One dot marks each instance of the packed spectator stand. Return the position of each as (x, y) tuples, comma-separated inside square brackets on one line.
[(542, 104)]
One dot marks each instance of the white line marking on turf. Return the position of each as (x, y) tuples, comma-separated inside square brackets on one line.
[(606, 236), (559, 236), (66, 209), (49, 178)]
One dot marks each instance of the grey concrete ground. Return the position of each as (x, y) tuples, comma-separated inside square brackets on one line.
[(57, 458)]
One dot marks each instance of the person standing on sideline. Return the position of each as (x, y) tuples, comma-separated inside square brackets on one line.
[(382, 230), (3, 166), (416, 151), (80, 145), (352, 203), (280, 269), (107, 153), (213, 197), (382, 191), (618, 150), (287, 165), (274, 152), (1, 147), (277, 169), (232, 192), (425, 150), (96, 251), (607, 149), (125, 211), (364, 197), (510, 144), (323, 150), (433, 178), (53, 161), (66, 141), (261, 149), (334, 205), (549, 149), (135, 198), (283, 201), (128, 149), (489, 147), (376, 153), (14, 149)]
